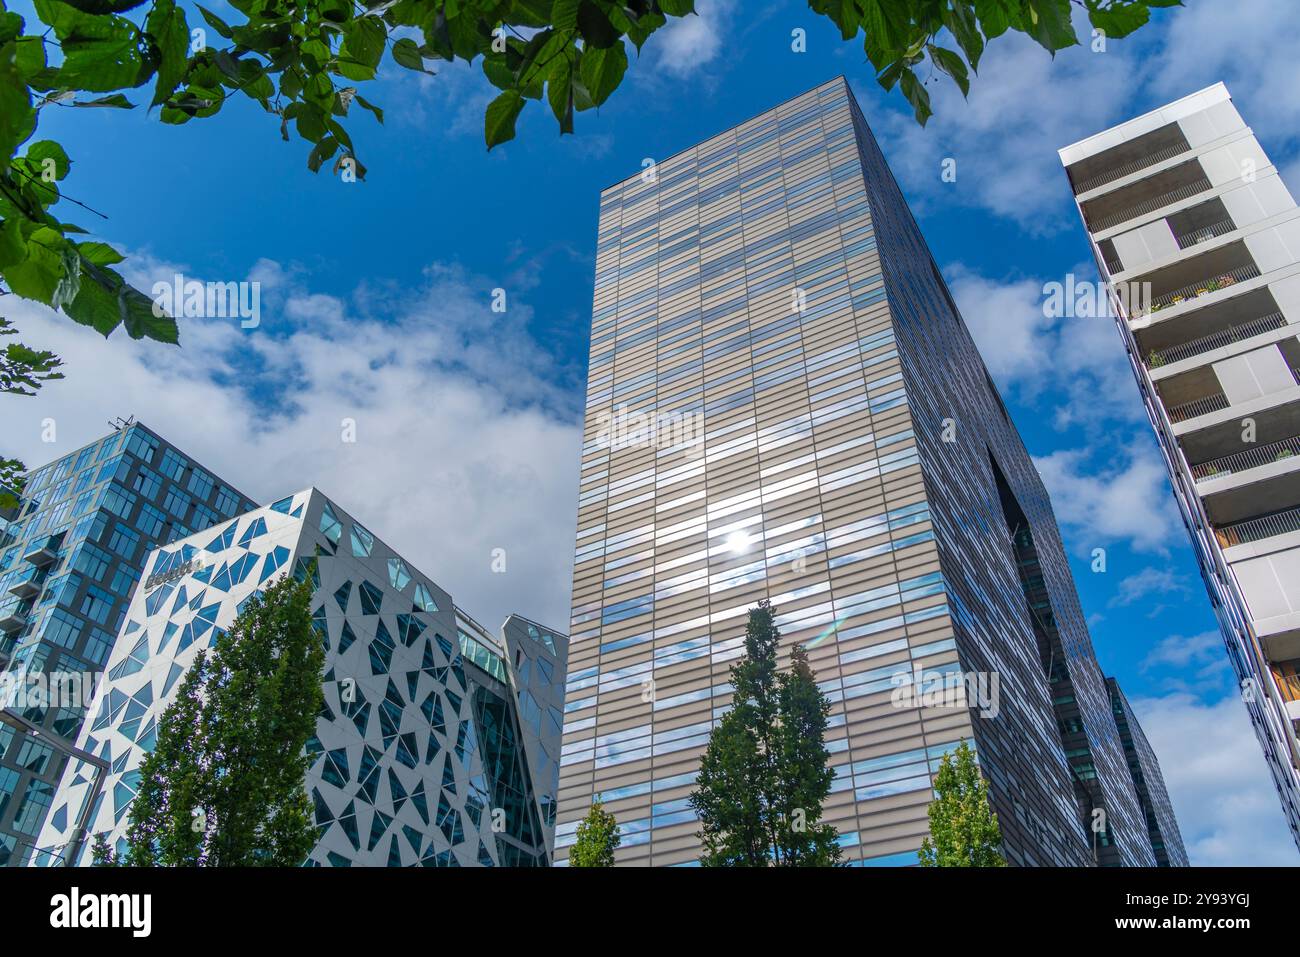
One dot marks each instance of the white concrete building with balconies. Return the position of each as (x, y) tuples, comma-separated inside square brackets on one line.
[(1199, 239)]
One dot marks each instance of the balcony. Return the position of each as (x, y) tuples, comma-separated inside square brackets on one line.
[(1201, 276), (42, 551), (28, 582), (1127, 158), (13, 614), (1258, 529), (1226, 336), (1215, 402), (1145, 196), (1250, 459)]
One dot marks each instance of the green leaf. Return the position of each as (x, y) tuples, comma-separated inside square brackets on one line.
[(170, 35), (116, 101), (499, 122), (595, 27), (559, 92), (1120, 19), (44, 150), (100, 53), (101, 254), (951, 64), (602, 70), (917, 95), (406, 53), (17, 116)]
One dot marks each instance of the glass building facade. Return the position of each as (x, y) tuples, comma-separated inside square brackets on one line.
[(783, 403), (437, 745), (70, 557), (1149, 782)]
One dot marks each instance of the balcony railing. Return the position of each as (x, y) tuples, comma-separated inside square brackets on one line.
[(13, 614), (42, 550), (1147, 206), (1217, 340), (1119, 172), (1190, 410), (1114, 266), (1256, 529), (1205, 233), (1250, 459), (1204, 287), (1289, 686), (28, 581)]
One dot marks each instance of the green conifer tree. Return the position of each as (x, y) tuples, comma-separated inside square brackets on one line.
[(764, 774)]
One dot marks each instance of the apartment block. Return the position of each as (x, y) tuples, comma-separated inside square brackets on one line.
[(438, 744), (71, 554), (784, 403), (1199, 240)]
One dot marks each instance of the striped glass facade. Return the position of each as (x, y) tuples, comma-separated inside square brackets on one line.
[(784, 403)]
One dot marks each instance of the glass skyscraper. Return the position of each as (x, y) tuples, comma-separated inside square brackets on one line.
[(783, 403), (70, 557)]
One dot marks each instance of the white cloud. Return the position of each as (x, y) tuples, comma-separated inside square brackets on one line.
[(466, 432), (1078, 361), (1223, 797), (684, 46), (1122, 497), (1148, 581), (1025, 105)]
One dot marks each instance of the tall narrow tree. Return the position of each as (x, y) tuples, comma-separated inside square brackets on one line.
[(763, 776), (225, 784), (597, 840), (964, 831)]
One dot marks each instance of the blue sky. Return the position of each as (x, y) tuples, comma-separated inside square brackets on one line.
[(375, 308)]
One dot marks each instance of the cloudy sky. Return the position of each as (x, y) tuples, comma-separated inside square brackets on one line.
[(376, 295)]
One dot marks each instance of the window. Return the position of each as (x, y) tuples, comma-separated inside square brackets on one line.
[(147, 483), (97, 604), (98, 645), (173, 465), (151, 522), (61, 629), (92, 562), (32, 808), (200, 484), (118, 501), (227, 502), (178, 503), (124, 580), (142, 445), (124, 541), (204, 517)]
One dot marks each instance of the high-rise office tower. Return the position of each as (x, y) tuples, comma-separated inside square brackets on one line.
[(438, 744), (784, 403), (1199, 240), (1148, 781), (70, 556)]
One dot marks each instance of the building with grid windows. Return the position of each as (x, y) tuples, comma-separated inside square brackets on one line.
[(783, 403), (1198, 239), (70, 556), (438, 744)]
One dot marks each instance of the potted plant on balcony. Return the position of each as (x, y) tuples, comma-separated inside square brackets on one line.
[(1284, 454), (1155, 360)]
